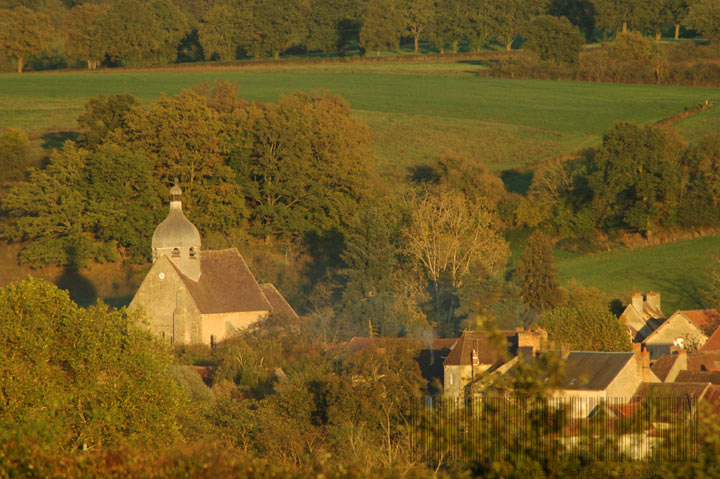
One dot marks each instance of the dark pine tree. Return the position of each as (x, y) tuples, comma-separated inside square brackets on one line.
[(536, 274)]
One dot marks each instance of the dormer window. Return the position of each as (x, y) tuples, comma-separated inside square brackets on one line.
[(176, 252)]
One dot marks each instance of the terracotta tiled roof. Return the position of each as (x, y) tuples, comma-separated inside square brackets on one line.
[(226, 284), (591, 370), (713, 343), (712, 377), (666, 390), (277, 301), (663, 365), (704, 361), (705, 319), (626, 410), (712, 396), (487, 352)]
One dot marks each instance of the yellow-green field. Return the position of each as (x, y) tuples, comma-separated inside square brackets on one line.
[(415, 110)]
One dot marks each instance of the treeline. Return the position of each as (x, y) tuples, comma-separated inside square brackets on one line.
[(131, 32), (629, 58)]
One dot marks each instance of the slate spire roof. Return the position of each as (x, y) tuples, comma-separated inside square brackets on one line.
[(176, 231)]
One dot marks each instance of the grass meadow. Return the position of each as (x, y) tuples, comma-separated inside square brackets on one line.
[(677, 270), (415, 111)]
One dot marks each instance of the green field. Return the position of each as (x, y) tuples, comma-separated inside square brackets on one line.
[(415, 110), (676, 270)]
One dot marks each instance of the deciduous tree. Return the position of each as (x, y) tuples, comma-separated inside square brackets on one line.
[(635, 176), (280, 25), (75, 378), (585, 328), (704, 16), (508, 16), (554, 39), (303, 164), (419, 18), (22, 33), (224, 29), (13, 154), (383, 23), (450, 238), (84, 33)]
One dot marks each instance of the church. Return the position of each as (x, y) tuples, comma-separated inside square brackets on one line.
[(192, 296)]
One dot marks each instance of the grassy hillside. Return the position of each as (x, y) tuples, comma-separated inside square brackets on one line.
[(415, 110), (676, 270)]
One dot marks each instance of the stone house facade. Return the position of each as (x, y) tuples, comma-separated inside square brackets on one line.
[(685, 329)]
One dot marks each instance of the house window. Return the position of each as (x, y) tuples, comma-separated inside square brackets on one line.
[(450, 378), (212, 341), (176, 252), (192, 253)]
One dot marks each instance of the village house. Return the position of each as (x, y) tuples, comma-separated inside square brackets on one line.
[(478, 352), (685, 329), (192, 296), (642, 316)]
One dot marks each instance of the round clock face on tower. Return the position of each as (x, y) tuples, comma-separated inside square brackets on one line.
[(161, 276)]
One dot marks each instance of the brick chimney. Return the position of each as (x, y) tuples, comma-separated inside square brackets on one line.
[(535, 339), (682, 360), (642, 359), (637, 301), (653, 299)]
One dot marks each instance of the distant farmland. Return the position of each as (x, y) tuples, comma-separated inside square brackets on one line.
[(677, 270), (414, 110)]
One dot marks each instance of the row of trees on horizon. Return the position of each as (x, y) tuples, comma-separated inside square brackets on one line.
[(54, 34)]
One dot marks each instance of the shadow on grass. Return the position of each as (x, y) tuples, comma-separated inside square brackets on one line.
[(81, 290), (423, 174), (56, 139), (687, 290), (517, 181)]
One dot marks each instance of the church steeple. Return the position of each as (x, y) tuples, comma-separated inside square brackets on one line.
[(177, 238)]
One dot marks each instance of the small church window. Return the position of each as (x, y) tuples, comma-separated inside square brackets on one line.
[(176, 252)]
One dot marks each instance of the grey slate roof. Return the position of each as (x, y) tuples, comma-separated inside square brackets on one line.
[(698, 377), (646, 390), (176, 230), (226, 284), (278, 303), (590, 370)]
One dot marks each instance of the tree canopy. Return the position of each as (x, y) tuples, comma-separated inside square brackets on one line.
[(76, 378), (22, 33)]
